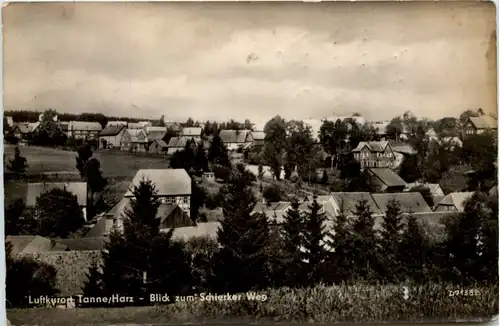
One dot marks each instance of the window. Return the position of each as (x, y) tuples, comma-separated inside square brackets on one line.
[(185, 200), (169, 200)]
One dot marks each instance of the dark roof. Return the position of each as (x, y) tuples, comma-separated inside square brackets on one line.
[(156, 135), (404, 149), (82, 244), (179, 141), (233, 136), (29, 243), (373, 146), (161, 143), (347, 201), (412, 202), (456, 199), (112, 130), (388, 177)]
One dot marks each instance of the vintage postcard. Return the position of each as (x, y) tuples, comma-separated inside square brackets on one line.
[(207, 162)]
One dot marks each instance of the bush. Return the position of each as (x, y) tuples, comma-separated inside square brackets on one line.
[(272, 193)]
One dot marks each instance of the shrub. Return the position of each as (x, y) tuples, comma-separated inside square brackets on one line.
[(272, 193)]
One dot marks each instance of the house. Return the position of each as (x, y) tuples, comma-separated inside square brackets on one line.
[(377, 154), (155, 133), (84, 130), (117, 123), (453, 202), (192, 132), (64, 126), (111, 136), (134, 140), (24, 130), (234, 139), (158, 147), (204, 229), (275, 211), (384, 180), (79, 189), (257, 137), (434, 188), (80, 244), (345, 203), (178, 144), (410, 202), (28, 244), (478, 125), (10, 121), (449, 142)]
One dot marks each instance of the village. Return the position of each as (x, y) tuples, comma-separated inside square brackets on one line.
[(337, 162)]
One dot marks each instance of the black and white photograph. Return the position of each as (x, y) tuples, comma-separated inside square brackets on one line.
[(250, 162)]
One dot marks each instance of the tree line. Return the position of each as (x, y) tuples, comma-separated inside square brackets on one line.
[(253, 251)]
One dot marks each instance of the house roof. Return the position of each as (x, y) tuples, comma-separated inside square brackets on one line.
[(118, 209), (179, 141), (206, 229), (84, 125), (29, 243), (79, 189), (168, 182), (319, 198), (191, 131), (275, 206), (27, 127), (161, 143), (484, 122), (156, 134), (135, 133), (388, 177), (347, 201), (404, 149), (233, 136), (373, 146), (410, 202), (152, 128), (493, 191), (83, 244), (112, 130), (258, 135), (115, 123), (456, 199), (134, 125)]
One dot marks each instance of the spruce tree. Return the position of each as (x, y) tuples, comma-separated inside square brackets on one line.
[(141, 216), (84, 153), (390, 239), (313, 236), (293, 241), (364, 243), (92, 287), (413, 249), (340, 264), (18, 164), (241, 264)]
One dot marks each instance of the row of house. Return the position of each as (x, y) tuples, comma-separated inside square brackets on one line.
[(72, 129)]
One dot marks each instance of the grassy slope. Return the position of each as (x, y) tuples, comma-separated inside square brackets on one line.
[(320, 304)]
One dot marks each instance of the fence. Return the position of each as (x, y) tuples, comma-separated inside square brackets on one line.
[(134, 153), (46, 176)]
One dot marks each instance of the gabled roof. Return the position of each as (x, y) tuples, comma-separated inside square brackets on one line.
[(347, 201), (29, 243), (275, 206), (404, 149), (27, 127), (206, 229), (84, 126), (168, 182), (433, 187), (410, 202), (373, 146), (191, 131), (156, 135), (258, 135), (134, 135), (456, 199), (112, 130), (484, 122), (161, 143), (233, 136), (116, 123), (79, 189), (179, 141), (388, 177)]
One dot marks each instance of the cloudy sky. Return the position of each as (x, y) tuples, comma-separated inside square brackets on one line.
[(254, 60)]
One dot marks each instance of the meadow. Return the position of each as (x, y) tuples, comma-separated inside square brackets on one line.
[(320, 304)]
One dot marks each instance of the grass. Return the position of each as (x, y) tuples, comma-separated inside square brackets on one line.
[(320, 304), (114, 165)]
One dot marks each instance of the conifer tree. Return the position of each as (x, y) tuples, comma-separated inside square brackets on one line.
[(390, 240), (142, 212), (364, 243), (313, 240), (413, 250), (92, 287), (241, 264), (18, 164), (84, 153), (293, 240)]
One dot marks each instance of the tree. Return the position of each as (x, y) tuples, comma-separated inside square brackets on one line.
[(272, 193), (293, 241), (59, 214), (419, 142), (217, 154), (261, 172), (93, 287), (480, 151), (275, 144), (298, 153), (142, 213), (84, 153), (324, 177), (49, 132), (189, 123), (412, 250), (340, 264), (395, 128), (18, 220), (241, 263), (408, 170), (364, 243), (447, 126), (18, 164), (95, 181), (313, 237), (201, 160), (390, 242)]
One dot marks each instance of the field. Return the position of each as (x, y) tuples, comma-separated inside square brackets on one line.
[(113, 164), (321, 304)]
